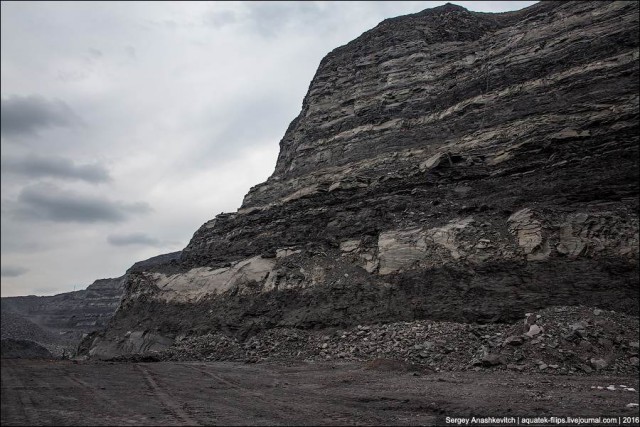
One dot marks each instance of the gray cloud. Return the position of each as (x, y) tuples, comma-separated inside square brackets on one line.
[(132, 239), (95, 53), (12, 271), (218, 19), (19, 240), (269, 118), (35, 166), (49, 203), (27, 114), (130, 51), (68, 76), (270, 18)]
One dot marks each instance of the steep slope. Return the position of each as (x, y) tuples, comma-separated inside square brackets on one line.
[(62, 320), (23, 349), (445, 165), (15, 326), (71, 314)]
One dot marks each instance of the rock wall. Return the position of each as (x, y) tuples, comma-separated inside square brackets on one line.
[(71, 314), (59, 322), (446, 165)]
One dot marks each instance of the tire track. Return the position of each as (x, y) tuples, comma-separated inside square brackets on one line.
[(11, 405), (26, 404), (109, 406), (251, 405), (165, 398), (288, 407), (243, 390)]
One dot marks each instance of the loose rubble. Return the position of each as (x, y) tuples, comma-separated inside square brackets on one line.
[(18, 349), (567, 340), (19, 334)]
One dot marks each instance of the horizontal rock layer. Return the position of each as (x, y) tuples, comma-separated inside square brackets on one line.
[(71, 314), (447, 165), (59, 322)]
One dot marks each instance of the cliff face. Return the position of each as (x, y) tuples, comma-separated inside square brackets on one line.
[(445, 165), (61, 321), (64, 319)]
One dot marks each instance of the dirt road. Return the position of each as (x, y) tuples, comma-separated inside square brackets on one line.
[(37, 392)]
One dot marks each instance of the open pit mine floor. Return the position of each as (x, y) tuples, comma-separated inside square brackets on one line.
[(44, 392)]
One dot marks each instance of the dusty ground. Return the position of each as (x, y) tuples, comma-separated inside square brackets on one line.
[(38, 392)]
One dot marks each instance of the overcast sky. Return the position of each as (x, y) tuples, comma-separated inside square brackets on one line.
[(126, 125)]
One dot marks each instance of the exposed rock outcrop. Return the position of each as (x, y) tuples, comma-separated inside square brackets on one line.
[(446, 165), (69, 315), (59, 322)]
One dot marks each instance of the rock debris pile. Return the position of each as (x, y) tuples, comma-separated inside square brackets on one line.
[(15, 326), (558, 339), (21, 337), (23, 349)]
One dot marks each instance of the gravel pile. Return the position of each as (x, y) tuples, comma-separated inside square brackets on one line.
[(23, 349), (558, 339), (16, 328)]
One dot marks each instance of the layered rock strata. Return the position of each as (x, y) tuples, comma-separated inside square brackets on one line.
[(71, 314), (59, 322), (446, 165)]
